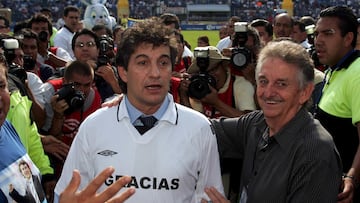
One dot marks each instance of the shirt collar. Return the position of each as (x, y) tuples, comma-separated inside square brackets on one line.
[(134, 113)]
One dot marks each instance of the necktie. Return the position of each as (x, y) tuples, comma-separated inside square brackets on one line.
[(148, 122)]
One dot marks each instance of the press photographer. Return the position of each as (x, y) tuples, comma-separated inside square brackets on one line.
[(212, 88), (88, 47)]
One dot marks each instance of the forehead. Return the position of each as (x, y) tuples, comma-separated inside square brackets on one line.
[(277, 68), (327, 23), (282, 18), (39, 24), (73, 14), (151, 51), (27, 41), (83, 38)]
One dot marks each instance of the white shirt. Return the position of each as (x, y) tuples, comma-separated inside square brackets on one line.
[(172, 162), (63, 39), (224, 43)]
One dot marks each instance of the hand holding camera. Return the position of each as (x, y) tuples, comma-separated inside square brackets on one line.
[(68, 100)]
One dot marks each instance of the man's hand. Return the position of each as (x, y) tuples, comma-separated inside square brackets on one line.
[(58, 106), (212, 98), (347, 192), (49, 187), (115, 101), (215, 196), (89, 195), (55, 147)]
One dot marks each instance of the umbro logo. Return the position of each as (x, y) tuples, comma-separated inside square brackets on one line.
[(107, 153)]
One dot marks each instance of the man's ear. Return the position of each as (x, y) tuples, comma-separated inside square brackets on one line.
[(306, 93), (122, 73)]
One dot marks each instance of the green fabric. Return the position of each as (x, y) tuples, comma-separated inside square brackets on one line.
[(341, 94), (19, 116)]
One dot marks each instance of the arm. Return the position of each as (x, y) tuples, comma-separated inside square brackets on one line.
[(58, 119), (225, 110), (108, 74), (352, 178)]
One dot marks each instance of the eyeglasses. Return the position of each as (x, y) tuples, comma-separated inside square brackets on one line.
[(87, 44), (2, 27)]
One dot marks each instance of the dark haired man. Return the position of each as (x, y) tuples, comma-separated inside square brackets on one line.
[(168, 149), (338, 108), (64, 35)]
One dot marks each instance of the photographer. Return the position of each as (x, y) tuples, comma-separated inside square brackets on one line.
[(88, 47), (56, 57), (225, 95), (69, 101), (29, 43)]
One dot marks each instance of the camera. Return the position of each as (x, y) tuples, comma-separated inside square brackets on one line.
[(29, 62), (105, 46), (310, 29), (43, 36), (240, 55), (9, 46), (199, 85), (74, 98)]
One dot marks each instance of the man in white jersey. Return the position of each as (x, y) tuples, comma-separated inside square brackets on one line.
[(176, 159)]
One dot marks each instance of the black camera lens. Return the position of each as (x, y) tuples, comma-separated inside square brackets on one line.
[(199, 85), (29, 62), (43, 36), (240, 57), (74, 98)]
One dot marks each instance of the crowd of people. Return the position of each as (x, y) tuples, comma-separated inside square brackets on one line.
[(269, 114)]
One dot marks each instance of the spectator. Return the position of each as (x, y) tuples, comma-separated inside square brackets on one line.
[(203, 41), (4, 25), (64, 35), (227, 41), (223, 32), (264, 28), (56, 57), (86, 47), (338, 108), (29, 43), (299, 34), (283, 25)]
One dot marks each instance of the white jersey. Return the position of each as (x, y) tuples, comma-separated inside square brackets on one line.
[(172, 162)]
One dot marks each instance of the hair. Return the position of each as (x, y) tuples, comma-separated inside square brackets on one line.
[(284, 14), (291, 53), (22, 162), (6, 21), (85, 31), (69, 9), (263, 23), (149, 31), (347, 21), (177, 33), (99, 27), (307, 20), (26, 33), (204, 39), (169, 18), (300, 24), (79, 68), (40, 18)]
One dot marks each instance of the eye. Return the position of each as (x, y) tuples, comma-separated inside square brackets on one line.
[(262, 82), (281, 84)]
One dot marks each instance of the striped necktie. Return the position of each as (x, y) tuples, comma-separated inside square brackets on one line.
[(148, 122)]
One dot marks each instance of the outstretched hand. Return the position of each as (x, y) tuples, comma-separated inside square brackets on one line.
[(89, 195)]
